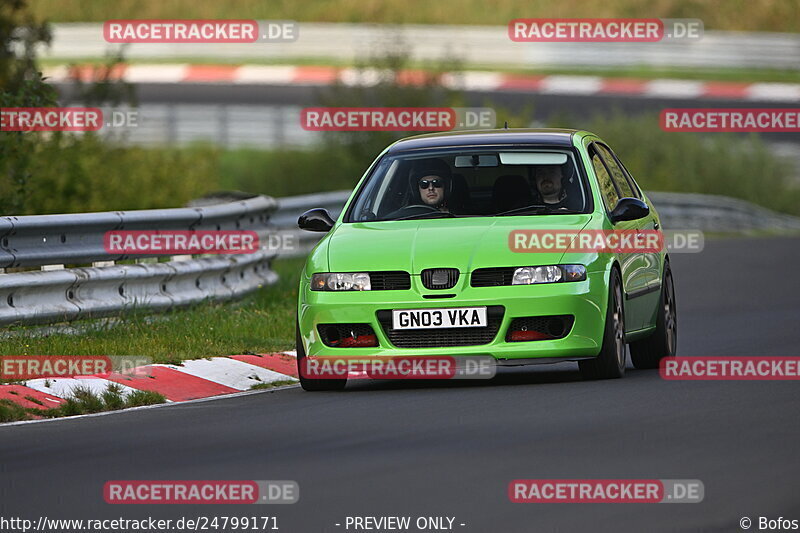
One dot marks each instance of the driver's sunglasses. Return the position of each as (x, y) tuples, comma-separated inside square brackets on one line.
[(424, 184)]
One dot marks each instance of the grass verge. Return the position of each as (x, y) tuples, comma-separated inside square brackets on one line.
[(747, 15), (83, 401), (262, 322), (274, 384), (11, 412)]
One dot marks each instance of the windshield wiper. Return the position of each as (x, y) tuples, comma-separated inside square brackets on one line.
[(526, 210), (535, 209), (432, 214)]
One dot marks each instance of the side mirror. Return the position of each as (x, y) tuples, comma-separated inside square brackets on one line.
[(315, 220), (629, 209)]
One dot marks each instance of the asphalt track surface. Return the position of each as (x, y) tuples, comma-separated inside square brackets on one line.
[(402, 449)]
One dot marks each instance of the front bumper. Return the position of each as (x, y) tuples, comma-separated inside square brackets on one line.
[(585, 300)]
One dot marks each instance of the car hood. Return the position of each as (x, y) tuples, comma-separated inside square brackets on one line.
[(462, 243)]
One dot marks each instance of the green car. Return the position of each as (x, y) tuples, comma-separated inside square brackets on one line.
[(469, 244)]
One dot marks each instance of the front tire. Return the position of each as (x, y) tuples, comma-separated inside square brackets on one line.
[(311, 384), (610, 363), (648, 353)]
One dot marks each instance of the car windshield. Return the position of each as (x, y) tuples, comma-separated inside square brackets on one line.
[(472, 183)]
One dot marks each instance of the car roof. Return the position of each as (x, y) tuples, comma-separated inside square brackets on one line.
[(539, 136)]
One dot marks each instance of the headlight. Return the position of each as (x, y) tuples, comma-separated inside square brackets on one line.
[(548, 274), (341, 281)]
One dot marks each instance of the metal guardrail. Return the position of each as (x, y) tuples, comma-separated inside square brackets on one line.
[(473, 45), (704, 212), (291, 207), (55, 294), (39, 240), (710, 212)]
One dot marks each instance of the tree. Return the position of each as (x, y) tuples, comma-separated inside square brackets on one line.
[(21, 85)]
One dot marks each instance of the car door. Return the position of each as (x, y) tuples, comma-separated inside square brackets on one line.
[(632, 265), (652, 260)]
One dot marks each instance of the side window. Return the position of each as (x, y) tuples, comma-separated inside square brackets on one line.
[(635, 186), (607, 188), (617, 174)]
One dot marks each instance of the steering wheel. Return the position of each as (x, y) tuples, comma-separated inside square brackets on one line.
[(408, 210)]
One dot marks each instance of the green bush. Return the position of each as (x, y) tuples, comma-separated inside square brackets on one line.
[(75, 174), (70, 174), (112, 397), (289, 172), (44, 172), (741, 167), (719, 163)]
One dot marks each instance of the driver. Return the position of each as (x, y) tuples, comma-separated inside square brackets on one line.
[(549, 183), (432, 179)]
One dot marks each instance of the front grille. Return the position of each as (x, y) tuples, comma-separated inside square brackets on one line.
[(492, 277), (390, 281), (443, 337), (333, 334), (439, 278), (554, 327)]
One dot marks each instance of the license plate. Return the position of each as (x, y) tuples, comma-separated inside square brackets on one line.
[(457, 317)]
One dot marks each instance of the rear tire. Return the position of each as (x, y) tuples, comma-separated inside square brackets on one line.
[(648, 353), (310, 384), (610, 363)]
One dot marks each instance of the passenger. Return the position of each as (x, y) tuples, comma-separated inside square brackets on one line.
[(550, 184)]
